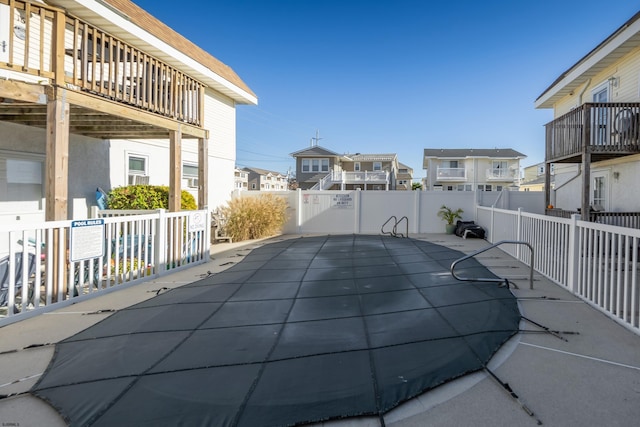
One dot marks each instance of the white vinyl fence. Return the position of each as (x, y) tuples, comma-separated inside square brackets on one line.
[(365, 212), (597, 262), (54, 263)]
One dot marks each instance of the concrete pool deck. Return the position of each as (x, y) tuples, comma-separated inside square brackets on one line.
[(591, 377)]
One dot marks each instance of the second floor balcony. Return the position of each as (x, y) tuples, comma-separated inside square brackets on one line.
[(44, 45), (340, 177), (451, 174), (501, 174), (604, 130)]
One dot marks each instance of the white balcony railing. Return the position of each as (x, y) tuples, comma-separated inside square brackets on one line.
[(501, 174), (342, 177), (452, 174)]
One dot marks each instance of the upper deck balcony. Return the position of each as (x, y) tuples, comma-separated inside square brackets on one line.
[(603, 130), (451, 174), (501, 174), (44, 45)]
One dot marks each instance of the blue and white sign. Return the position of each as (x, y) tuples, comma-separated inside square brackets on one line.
[(87, 239)]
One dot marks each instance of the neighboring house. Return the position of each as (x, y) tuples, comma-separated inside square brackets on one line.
[(534, 177), (404, 179), (265, 180), (108, 96), (470, 169), (595, 134), (241, 180), (323, 169)]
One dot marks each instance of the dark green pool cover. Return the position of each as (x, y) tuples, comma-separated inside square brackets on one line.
[(301, 330)]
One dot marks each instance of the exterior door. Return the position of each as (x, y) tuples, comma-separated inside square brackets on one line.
[(599, 119), (599, 191)]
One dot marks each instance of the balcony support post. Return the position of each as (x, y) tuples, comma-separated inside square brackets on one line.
[(57, 155), (175, 168), (586, 163), (203, 173), (547, 183)]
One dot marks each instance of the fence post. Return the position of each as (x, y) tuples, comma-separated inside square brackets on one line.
[(207, 233), (492, 222), (519, 233), (573, 252), (299, 216), (161, 242), (357, 202), (417, 200)]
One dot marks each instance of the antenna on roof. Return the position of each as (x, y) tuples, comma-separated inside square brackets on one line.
[(314, 141)]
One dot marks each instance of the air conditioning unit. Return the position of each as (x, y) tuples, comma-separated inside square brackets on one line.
[(192, 182), (138, 180)]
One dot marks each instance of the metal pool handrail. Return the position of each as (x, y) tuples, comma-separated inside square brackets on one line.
[(394, 232), (471, 255)]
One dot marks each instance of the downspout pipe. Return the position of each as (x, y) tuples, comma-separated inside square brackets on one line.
[(584, 89)]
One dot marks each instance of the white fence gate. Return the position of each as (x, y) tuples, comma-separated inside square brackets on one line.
[(54, 263)]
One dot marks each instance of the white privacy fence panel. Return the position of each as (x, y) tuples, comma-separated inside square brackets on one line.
[(597, 262), (364, 212), (49, 264)]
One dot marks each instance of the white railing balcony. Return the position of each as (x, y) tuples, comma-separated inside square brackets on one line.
[(377, 177), (452, 174), (501, 174)]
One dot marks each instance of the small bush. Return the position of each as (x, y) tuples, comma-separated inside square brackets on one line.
[(254, 217), (147, 197)]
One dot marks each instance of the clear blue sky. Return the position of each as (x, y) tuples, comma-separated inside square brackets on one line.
[(393, 76)]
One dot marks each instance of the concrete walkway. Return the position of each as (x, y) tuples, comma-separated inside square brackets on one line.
[(587, 377)]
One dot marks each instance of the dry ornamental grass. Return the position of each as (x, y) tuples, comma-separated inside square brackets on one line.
[(254, 217)]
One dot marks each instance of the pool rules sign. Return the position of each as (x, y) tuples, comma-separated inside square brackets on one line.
[(87, 239)]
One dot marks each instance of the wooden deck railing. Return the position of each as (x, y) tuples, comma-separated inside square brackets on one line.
[(607, 129), (69, 52), (620, 219)]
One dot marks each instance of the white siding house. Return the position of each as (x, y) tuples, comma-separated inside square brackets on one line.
[(472, 169), (181, 107), (594, 139)]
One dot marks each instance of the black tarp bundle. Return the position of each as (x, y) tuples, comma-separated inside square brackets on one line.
[(300, 331)]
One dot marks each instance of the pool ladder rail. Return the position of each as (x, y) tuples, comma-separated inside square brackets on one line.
[(497, 279), (394, 230)]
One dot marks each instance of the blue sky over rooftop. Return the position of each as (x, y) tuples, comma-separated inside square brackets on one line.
[(393, 76)]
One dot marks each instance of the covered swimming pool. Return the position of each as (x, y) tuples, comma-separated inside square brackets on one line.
[(301, 330)]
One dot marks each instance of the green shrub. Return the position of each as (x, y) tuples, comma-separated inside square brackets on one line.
[(147, 197), (254, 217)]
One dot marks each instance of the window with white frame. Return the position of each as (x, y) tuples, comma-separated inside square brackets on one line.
[(599, 198), (500, 169), (190, 173), (137, 169), (452, 164), (377, 166), (315, 165), (23, 179), (356, 166)]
